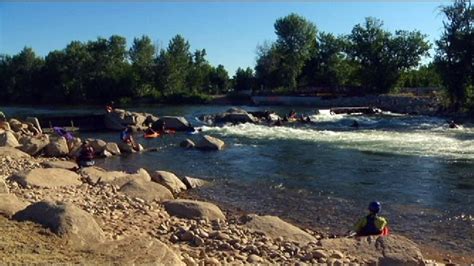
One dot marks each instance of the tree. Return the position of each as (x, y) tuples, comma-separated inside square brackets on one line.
[(142, 57), (424, 76), (243, 79), (198, 77), (454, 53), (173, 66), (268, 72), (329, 65), (22, 75), (219, 80), (383, 56), (296, 37)]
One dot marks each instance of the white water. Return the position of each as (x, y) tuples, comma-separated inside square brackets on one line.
[(427, 138)]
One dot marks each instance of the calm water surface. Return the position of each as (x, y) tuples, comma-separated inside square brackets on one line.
[(323, 175)]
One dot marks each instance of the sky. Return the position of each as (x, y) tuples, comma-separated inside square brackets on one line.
[(229, 31)]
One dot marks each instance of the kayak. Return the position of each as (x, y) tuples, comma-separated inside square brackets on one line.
[(151, 136)]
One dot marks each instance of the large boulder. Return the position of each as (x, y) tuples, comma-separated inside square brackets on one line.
[(146, 190), (97, 144), (193, 209), (126, 148), (140, 251), (68, 165), (192, 182), (7, 139), (177, 123), (15, 125), (113, 148), (117, 178), (384, 250), (34, 145), (274, 227), (169, 180), (10, 204), (57, 147), (65, 220), (210, 143), (47, 177), (12, 152)]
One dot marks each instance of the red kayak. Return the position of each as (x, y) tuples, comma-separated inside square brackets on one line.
[(151, 136)]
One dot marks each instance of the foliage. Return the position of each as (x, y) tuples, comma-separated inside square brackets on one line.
[(454, 53), (244, 79), (382, 56), (424, 76)]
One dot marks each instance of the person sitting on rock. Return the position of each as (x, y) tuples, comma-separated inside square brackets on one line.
[(86, 155), (372, 224), (109, 107), (126, 136)]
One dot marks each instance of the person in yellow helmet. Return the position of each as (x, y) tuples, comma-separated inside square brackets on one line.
[(372, 224)]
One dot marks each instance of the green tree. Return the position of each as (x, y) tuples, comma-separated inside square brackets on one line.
[(142, 57), (243, 79), (173, 67), (329, 65), (198, 77), (382, 56), (454, 53), (296, 38), (21, 84), (219, 80), (424, 76), (268, 73)]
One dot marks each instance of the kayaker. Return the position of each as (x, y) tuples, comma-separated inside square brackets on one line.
[(292, 115), (86, 156), (150, 131), (355, 124), (372, 224), (452, 124)]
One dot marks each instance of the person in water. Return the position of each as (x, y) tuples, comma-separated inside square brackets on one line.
[(452, 124), (86, 156), (149, 130), (355, 124), (372, 224), (293, 115)]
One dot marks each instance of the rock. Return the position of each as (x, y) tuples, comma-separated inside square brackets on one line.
[(65, 220), (320, 254), (187, 143), (211, 261), (12, 152), (146, 190), (106, 154), (387, 250), (113, 148), (139, 251), (15, 125), (337, 254), (254, 259), (75, 146), (177, 123), (10, 204), (209, 143), (57, 147), (192, 209), (192, 182), (275, 227), (3, 187), (169, 180), (35, 122), (118, 178), (34, 145), (5, 126), (68, 165), (7, 139), (47, 177), (97, 144), (125, 148)]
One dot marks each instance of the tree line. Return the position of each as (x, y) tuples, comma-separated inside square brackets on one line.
[(369, 60)]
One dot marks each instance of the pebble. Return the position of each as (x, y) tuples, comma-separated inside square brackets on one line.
[(254, 259)]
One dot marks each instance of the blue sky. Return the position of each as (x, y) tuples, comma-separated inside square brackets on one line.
[(230, 32)]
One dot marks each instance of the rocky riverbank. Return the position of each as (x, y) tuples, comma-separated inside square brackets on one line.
[(101, 216)]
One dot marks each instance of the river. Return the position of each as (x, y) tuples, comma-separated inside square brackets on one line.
[(324, 175)]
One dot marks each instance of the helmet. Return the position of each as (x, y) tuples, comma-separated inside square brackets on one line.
[(375, 206)]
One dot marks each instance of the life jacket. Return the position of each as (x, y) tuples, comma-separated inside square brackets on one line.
[(370, 228)]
